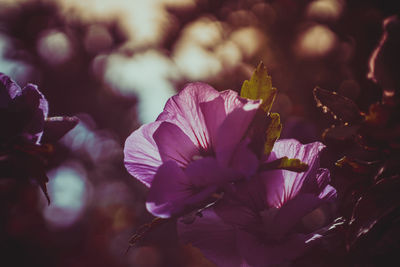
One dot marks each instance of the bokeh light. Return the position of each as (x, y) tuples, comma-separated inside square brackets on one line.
[(54, 47), (95, 144), (97, 39), (249, 40), (148, 76), (19, 70), (145, 22), (316, 41), (70, 193), (325, 9), (194, 50)]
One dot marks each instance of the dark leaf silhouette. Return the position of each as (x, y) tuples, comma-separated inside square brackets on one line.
[(375, 216), (340, 134), (57, 127), (341, 107)]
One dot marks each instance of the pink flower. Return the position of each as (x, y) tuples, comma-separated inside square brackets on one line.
[(197, 144), (267, 220)]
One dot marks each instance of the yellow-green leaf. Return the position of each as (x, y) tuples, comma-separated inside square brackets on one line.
[(357, 167), (294, 165), (272, 133), (285, 163), (260, 87)]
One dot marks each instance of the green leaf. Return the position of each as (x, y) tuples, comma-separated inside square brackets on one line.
[(272, 133), (285, 163), (260, 87)]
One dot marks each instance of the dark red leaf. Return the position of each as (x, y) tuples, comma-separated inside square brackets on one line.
[(341, 107), (373, 211)]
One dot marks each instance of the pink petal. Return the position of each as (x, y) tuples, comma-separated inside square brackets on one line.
[(213, 237), (174, 144), (184, 111), (232, 130), (171, 192), (142, 158)]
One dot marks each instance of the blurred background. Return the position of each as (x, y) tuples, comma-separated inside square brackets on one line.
[(114, 64)]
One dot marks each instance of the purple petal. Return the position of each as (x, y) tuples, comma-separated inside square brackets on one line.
[(8, 90), (241, 203), (259, 253), (244, 160), (28, 107), (328, 193), (171, 193), (142, 158), (291, 214), (292, 148), (232, 100), (184, 111), (233, 129), (43, 104), (214, 114), (287, 184), (174, 144), (38, 107), (314, 184), (233, 211), (213, 237), (274, 186), (206, 171)]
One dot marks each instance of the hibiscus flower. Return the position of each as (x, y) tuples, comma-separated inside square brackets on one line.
[(22, 111), (270, 219), (197, 144), (26, 125)]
